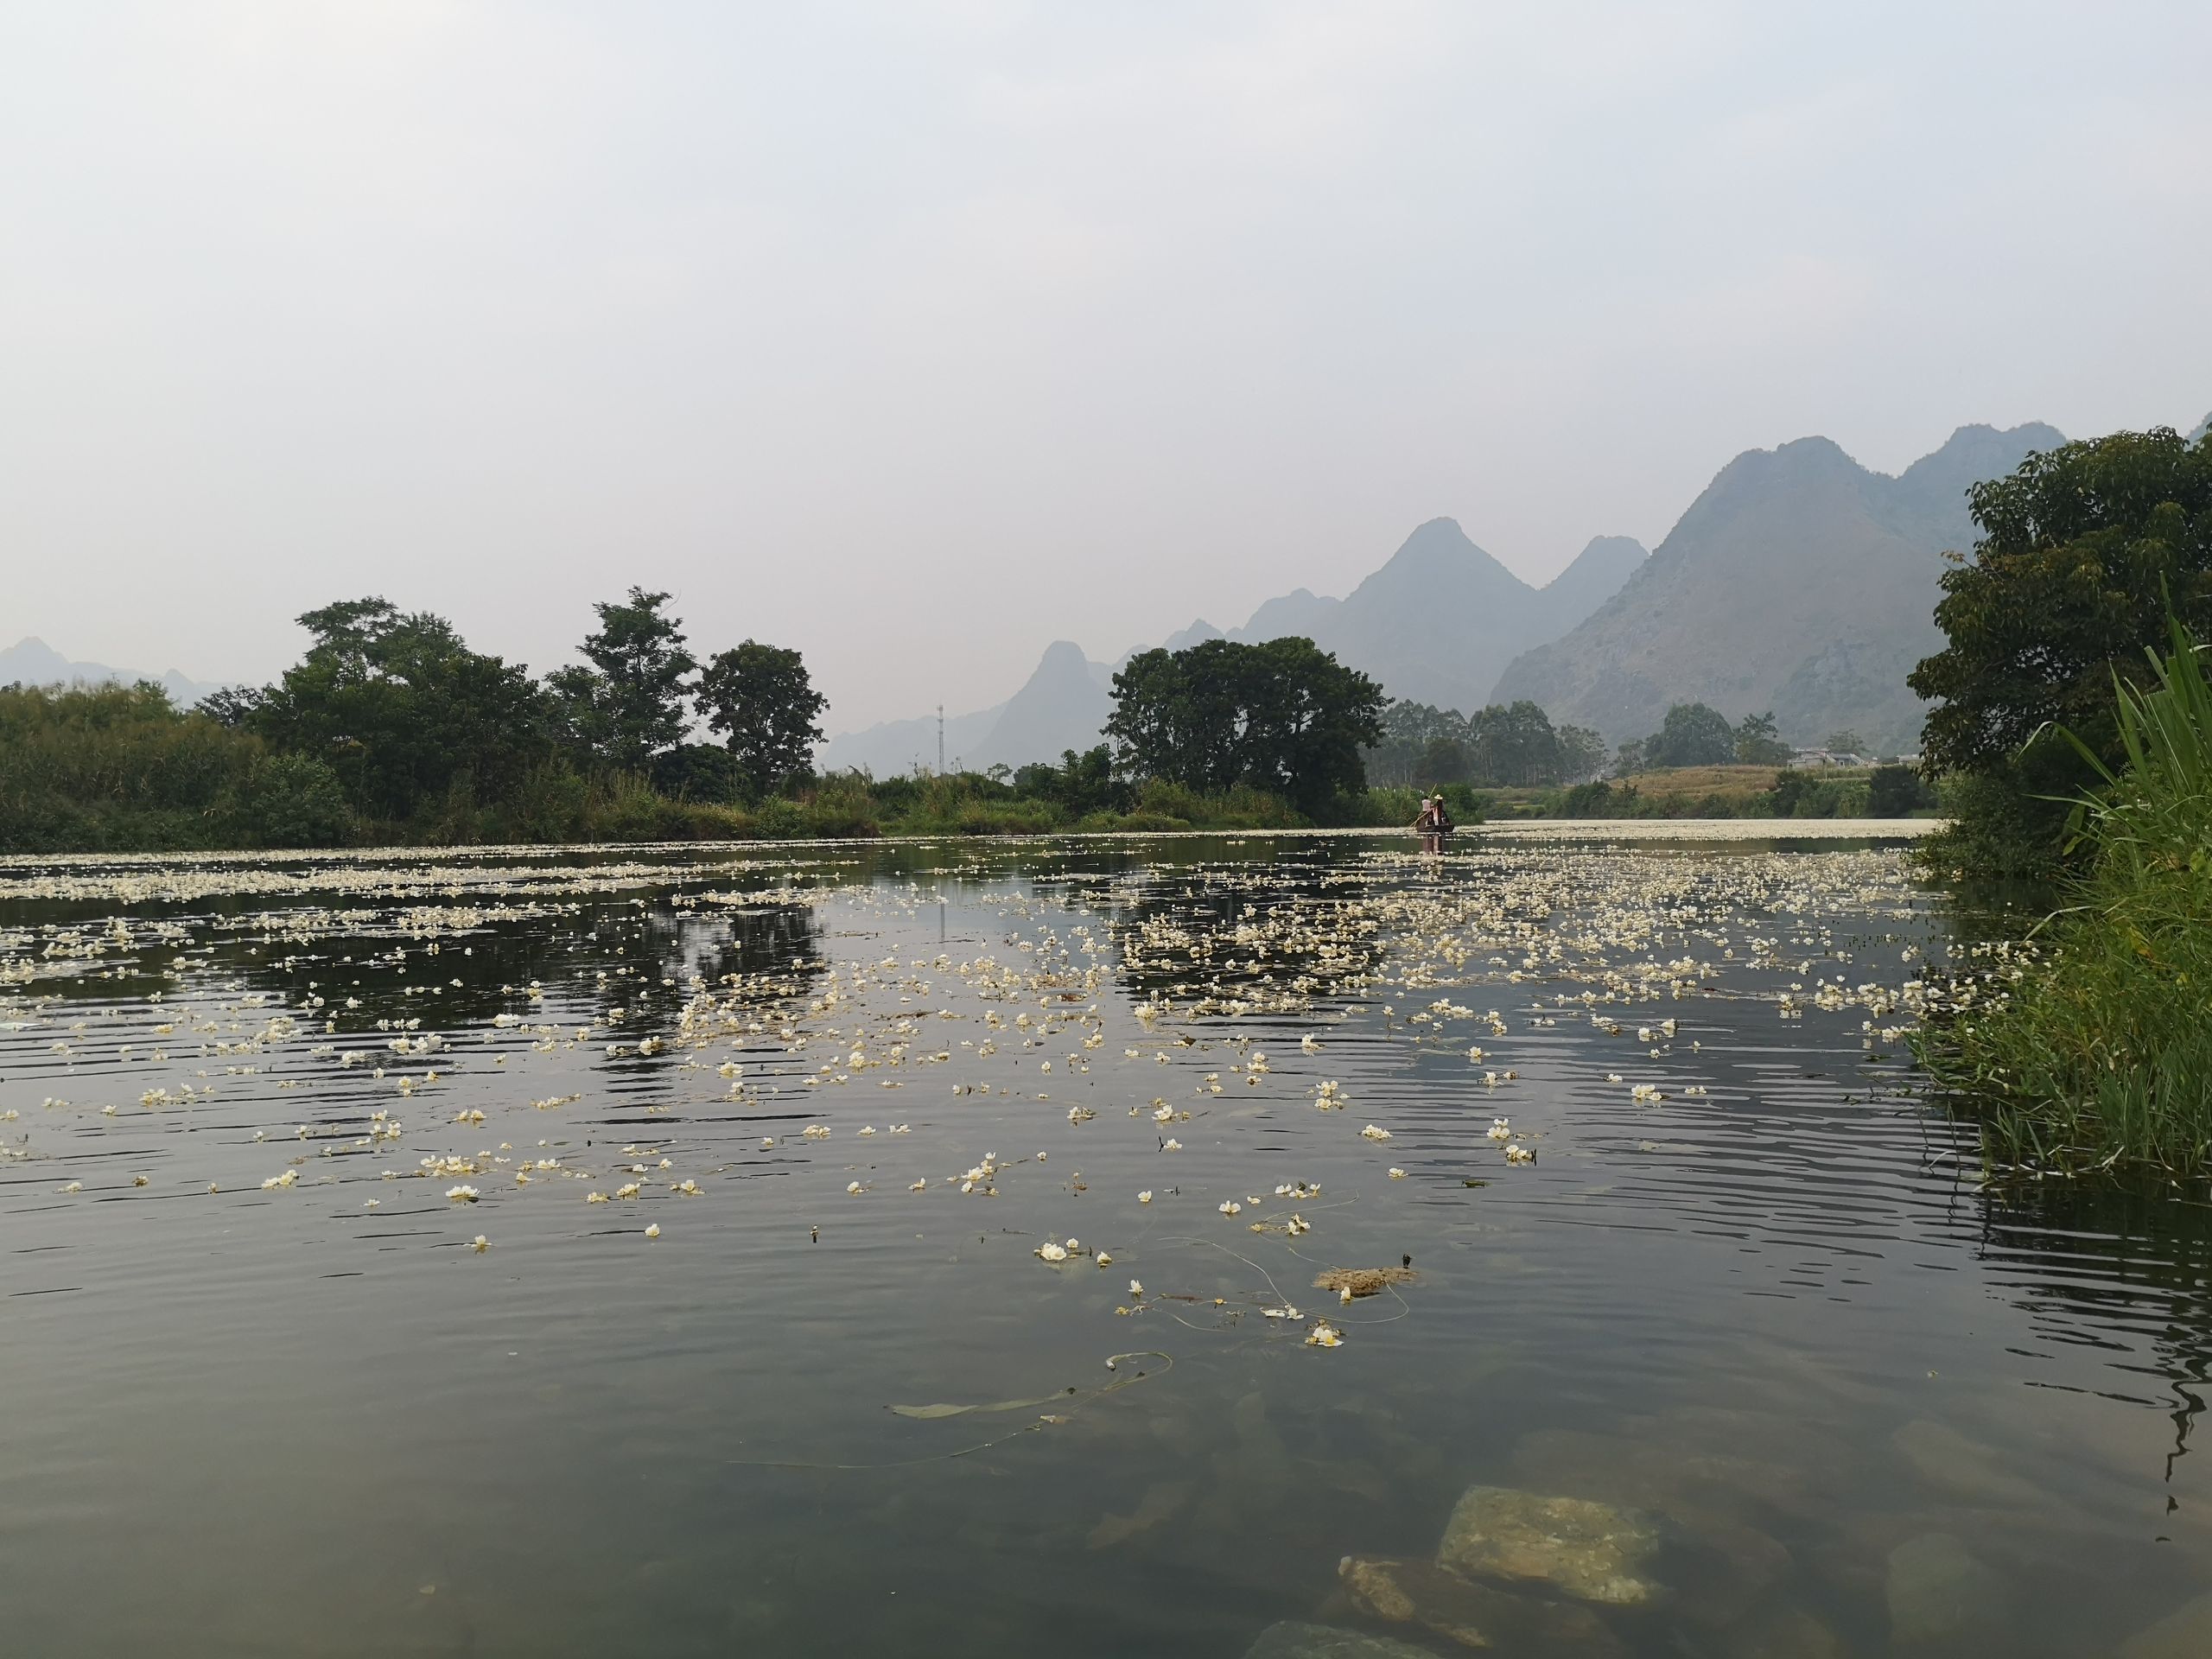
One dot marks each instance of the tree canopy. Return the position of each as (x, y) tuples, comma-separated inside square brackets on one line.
[(1284, 716), (2086, 551), (2083, 548), (400, 708), (630, 705), (762, 700), (1503, 745), (1693, 734)]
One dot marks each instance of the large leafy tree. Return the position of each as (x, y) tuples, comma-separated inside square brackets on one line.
[(1693, 734), (762, 700), (1514, 744), (1284, 716), (629, 705), (2084, 548), (401, 708), (1759, 743)]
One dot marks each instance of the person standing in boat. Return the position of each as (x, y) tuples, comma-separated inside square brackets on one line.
[(1433, 823)]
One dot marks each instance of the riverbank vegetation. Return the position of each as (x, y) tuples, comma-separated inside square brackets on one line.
[(2086, 551), (2093, 1050), (391, 730)]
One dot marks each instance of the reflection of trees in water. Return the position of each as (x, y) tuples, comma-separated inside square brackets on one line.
[(1229, 925), (2126, 1273), (778, 939), (472, 975)]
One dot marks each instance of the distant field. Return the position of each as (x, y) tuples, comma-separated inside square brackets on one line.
[(1718, 780)]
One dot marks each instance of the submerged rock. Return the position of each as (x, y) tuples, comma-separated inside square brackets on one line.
[(1578, 1547), (1159, 1503), (1782, 1633), (1935, 1588), (1474, 1614), (1951, 1462), (1293, 1639), (2185, 1633)]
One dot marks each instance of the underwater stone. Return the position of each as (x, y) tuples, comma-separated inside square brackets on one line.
[(1949, 1461), (1474, 1614), (1291, 1639), (1584, 1549), (2185, 1633), (1935, 1588)]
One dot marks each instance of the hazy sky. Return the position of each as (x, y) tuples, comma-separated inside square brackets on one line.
[(916, 335)]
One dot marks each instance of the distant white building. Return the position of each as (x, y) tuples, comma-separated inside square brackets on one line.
[(1807, 760)]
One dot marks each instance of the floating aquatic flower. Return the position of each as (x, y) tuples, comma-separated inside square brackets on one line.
[(1324, 1336), (1053, 1252), (1136, 1287), (1500, 1130), (1170, 1145), (1398, 1174), (653, 1230), (480, 1244), (463, 1194), (1375, 1134), (1144, 1198)]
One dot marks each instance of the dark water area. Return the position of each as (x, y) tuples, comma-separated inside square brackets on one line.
[(1718, 1345)]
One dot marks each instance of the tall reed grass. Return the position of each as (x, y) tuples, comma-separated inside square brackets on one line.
[(2100, 1056)]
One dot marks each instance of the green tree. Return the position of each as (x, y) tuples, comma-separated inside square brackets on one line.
[(763, 702), (2083, 548), (1581, 754), (401, 709), (629, 705), (1895, 792), (1285, 716), (1409, 731), (1759, 743), (1693, 734), (1080, 785), (1514, 744), (1845, 741), (1443, 760)]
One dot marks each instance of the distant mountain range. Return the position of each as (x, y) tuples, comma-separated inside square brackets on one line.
[(1799, 581), (32, 662), (1436, 623)]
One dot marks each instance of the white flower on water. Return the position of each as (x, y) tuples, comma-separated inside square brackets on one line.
[(1375, 1134)]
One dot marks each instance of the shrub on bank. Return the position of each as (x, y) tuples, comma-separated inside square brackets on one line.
[(2100, 1054)]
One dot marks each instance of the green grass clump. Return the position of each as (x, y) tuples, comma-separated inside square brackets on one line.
[(2100, 1055)]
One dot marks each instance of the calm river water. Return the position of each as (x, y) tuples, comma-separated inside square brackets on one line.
[(524, 1253)]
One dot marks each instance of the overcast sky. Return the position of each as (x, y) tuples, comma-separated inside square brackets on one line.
[(919, 334)]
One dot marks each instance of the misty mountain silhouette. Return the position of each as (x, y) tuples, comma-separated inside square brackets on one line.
[(31, 661), (1799, 581), (1436, 623)]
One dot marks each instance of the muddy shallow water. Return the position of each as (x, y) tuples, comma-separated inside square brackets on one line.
[(1713, 1343)]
